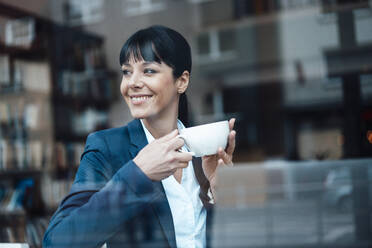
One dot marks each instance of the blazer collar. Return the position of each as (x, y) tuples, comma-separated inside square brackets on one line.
[(159, 202), (137, 137)]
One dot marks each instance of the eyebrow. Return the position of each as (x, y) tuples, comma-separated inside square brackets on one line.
[(145, 63), (151, 63)]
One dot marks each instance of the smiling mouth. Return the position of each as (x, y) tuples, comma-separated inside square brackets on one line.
[(136, 100)]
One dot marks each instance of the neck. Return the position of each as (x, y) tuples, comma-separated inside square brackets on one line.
[(164, 122), (160, 127)]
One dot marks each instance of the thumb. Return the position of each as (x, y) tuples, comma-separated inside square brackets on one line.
[(220, 162)]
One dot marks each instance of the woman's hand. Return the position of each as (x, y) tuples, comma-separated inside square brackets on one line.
[(223, 157), (160, 158)]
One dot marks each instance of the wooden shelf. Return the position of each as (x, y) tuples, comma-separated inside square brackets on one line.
[(19, 173), (81, 102), (68, 136), (33, 52), (7, 94), (13, 213)]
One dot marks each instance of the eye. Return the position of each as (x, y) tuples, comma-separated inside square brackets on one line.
[(149, 71), (125, 72)]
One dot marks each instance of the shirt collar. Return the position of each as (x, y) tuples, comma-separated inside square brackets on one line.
[(151, 138)]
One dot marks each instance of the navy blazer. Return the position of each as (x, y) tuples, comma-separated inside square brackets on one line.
[(112, 201)]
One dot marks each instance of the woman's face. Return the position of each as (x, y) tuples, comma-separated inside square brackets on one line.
[(149, 89)]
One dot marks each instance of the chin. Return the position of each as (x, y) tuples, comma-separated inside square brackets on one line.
[(138, 114)]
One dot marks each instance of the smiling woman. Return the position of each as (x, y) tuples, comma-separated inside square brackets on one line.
[(159, 50), (141, 174), (151, 91)]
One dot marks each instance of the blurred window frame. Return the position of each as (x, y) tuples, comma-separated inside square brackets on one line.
[(298, 4), (142, 7), (4, 70), (200, 1), (214, 49), (85, 12), (20, 32)]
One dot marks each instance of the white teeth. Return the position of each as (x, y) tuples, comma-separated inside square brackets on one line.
[(140, 98)]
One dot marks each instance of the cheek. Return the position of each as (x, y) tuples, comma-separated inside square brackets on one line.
[(166, 89), (123, 88)]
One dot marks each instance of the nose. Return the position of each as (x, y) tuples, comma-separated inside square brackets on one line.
[(135, 81)]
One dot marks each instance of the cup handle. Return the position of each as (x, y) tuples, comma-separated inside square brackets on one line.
[(180, 150)]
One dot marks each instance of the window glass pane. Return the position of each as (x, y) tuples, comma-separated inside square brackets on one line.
[(85, 11), (75, 11), (4, 70), (227, 40), (203, 41), (133, 3), (141, 7), (95, 8)]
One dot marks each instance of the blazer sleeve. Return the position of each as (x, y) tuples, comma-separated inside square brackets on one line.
[(100, 201)]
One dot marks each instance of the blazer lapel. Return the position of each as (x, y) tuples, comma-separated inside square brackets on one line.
[(137, 137), (161, 207), (159, 201)]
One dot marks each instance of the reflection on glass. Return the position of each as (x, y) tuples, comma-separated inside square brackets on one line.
[(290, 204)]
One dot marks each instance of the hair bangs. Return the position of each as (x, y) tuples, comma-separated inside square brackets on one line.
[(139, 48), (158, 44)]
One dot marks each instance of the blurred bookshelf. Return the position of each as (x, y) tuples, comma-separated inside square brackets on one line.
[(54, 90)]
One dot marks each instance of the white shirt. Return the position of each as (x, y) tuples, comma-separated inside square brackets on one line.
[(189, 215)]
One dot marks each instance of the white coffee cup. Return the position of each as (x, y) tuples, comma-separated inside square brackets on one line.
[(205, 139)]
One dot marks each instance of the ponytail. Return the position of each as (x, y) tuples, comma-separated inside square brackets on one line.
[(183, 110)]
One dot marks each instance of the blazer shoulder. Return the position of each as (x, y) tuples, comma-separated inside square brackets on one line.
[(133, 126), (113, 140), (103, 138), (110, 133)]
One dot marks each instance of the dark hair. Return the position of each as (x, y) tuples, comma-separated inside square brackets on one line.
[(161, 44)]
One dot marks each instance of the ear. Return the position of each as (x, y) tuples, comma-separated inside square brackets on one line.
[(182, 82)]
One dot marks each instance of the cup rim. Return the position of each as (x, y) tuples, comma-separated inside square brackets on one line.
[(206, 124)]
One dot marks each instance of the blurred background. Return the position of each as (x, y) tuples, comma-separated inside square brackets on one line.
[(296, 74)]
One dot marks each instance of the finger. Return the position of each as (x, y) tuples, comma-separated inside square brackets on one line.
[(220, 162), (231, 143), (169, 136), (209, 156), (175, 143), (183, 164), (172, 171), (232, 123), (226, 158), (183, 156)]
